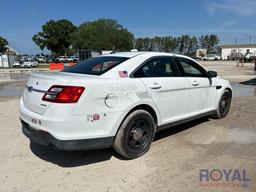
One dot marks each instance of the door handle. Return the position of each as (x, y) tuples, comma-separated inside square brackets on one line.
[(195, 84), (155, 86)]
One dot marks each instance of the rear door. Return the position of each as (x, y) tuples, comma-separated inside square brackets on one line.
[(169, 92), (202, 92)]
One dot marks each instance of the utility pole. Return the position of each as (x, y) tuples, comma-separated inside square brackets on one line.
[(236, 40), (1, 59), (250, 37), (8, 57)]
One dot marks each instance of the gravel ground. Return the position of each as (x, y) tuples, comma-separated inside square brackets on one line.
[(172, 164), (230, 71)]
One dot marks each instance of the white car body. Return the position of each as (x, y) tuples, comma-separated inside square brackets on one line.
[(211, 57), (61, 58), (64, 59), (108, 98), (41, 59), (16, 64), (29, 62)]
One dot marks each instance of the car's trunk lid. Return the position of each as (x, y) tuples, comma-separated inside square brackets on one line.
[(39, 83), (36, 86)]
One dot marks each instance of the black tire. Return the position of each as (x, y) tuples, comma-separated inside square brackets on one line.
[(223, 105), (135, 134)]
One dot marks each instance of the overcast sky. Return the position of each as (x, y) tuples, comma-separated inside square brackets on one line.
[(229, 19)]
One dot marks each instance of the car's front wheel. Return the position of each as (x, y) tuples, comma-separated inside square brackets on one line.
[(224, 105), (135, 134)]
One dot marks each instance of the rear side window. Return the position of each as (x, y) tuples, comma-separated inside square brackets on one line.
[(157, 67), (189, 68), (95, 66)]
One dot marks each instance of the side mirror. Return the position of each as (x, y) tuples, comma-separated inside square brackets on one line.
[(212, 74)]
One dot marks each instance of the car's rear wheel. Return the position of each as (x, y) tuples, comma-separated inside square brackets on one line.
[(224, 105), (135, 134)]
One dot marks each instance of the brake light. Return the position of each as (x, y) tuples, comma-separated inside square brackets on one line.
[(63, 94)]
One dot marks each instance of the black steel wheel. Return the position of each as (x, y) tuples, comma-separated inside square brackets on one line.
[(138, 134), (135, 135), (224, 105)]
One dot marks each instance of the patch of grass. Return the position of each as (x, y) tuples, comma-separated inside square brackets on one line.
[(43, 66), (40, 66)]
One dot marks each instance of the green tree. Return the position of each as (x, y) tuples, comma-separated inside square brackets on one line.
[(148, 44), (140, 44), (102, 34), (183, 42), (3, 44), (55, 36), (213, 42), (193, 45), (203, 39), (165, 43), (169, 44), (209, 42)]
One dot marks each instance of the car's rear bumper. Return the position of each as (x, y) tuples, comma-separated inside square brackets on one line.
[(64, 126), (45, 138)]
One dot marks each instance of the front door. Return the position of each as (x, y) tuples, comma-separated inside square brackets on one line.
[(169, 92), (202, 92)]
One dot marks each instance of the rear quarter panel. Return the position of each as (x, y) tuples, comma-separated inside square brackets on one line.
[(124, 95)]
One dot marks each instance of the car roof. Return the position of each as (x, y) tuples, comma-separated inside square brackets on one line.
[(135, 60), (123, 54), (136, 53)]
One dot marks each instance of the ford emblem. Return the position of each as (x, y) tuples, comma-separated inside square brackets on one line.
[(30, 89)]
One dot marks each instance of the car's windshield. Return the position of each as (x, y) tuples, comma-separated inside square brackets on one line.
[(96, 65), (27, 60)]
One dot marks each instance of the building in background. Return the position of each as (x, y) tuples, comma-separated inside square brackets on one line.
[(234, 52), (7, 59), (11, 51)]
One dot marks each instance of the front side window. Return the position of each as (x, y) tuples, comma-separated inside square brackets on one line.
[(96, 65), (157, 67), (189, 68)]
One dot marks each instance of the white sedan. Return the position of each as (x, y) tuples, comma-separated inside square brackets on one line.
[(29, 62), (211, 57), (119, 100)]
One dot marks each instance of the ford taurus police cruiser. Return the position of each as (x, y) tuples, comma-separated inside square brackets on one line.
[(119, 100)]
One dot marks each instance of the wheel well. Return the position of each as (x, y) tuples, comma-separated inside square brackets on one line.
[(147, 108), (229, 91)]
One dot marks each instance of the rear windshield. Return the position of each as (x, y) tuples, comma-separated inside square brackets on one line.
[(96, 65)]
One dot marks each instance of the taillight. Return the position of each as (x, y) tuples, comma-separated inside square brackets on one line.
[(63, 94)]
